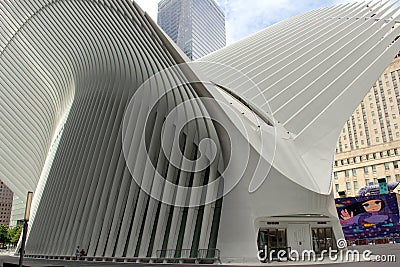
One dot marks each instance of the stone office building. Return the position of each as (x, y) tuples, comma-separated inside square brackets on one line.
[(369, 145)]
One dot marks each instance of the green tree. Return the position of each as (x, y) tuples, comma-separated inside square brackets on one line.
[(14, 234), (4, 237)]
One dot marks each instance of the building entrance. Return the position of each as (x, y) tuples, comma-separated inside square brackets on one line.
[(323, 239), (294, 237), (271, 241)]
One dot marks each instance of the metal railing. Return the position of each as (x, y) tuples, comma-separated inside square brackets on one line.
[(374, 241), (167, 255), (189, 255)]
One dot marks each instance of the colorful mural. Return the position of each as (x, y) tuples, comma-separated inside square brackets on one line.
[(369, 217)]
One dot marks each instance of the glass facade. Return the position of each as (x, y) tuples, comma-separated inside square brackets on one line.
[(196, 26), (323, 239)]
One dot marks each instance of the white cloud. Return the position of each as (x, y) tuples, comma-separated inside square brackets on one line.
[(150, 6), (244, 17)]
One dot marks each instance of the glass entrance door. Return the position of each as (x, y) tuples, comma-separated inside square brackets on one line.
[(272, 239), (323, 239)]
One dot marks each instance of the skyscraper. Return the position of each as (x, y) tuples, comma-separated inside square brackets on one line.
[(196, 26), (6, 199), (369, 145)]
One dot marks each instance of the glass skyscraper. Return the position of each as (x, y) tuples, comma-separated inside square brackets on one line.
[(196, 26)]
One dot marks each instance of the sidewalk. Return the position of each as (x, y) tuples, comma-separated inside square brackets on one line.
[(343, 257), (376, 250), (8, 252)]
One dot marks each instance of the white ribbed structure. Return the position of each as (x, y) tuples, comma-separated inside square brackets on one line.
[(312, 69), (70, 131)]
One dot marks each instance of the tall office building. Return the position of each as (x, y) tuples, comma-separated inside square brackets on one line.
[(369, 145), (196, 26), (6, 200)]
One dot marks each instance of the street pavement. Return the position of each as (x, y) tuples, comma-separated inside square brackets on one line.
[(379, 252)]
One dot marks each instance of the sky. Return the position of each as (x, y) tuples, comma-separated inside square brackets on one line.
[(244, 17)]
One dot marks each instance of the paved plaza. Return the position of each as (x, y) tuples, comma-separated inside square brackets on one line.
[(377, 250)]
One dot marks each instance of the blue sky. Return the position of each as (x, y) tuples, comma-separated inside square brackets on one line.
[(244, 17)]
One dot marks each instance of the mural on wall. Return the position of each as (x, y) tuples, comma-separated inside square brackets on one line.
[(368, 217)]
